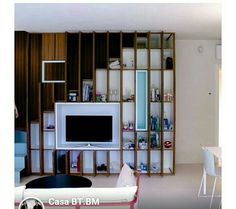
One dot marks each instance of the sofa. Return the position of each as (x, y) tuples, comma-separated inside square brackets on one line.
[(123, 195)]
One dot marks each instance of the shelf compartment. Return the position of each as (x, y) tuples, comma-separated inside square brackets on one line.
[(155, 40), (128, 40), (128, 116), (142, 161), (168, 161), (49, 140), (101, 50), (48, 161), (142, 59), (34, 135), (155, 161), (128, 58), (76, 166), (48, 121), (60, 161), (114, 162), (128, 87), (114, 86), (101, 162), (155, 58), (35, 161), (128, 158), (88, 164), (168, 41), (101, 82)]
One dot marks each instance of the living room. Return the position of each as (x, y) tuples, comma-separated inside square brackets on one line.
[(144, 87)]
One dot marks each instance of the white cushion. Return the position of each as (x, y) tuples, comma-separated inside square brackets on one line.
[(19, 193), (126, 177), (122, 194)]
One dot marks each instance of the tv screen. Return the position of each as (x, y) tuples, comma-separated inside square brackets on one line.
[(88, 128)]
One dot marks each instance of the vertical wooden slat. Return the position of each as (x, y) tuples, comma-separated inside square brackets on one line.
[(148, 93), (174, 103), (81, 162), (94, 70), (79, 70), (162, 104), (94, 163), (67, 164), (41, 131), (108, 75), (121, 101), (54, 162), (135, 69), (108, 162)]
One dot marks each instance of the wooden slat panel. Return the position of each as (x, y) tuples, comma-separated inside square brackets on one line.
[(35, 67), (48, 46), (21, 56), (60, 46)]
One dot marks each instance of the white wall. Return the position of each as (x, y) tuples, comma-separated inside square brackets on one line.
[(196, 110)]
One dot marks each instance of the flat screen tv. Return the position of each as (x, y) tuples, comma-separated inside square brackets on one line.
[(88, 128)]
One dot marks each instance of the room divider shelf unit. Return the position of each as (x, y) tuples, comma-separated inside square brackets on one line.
[(135, 69)]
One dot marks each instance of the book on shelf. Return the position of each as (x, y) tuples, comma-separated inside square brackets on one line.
[(87, 90)]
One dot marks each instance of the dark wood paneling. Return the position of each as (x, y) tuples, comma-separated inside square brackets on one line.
[(59, 92), (48, 46), (86, 56), (72, 61), (47, 96), (35, 66), (60, 46), (101, 50), (21, 66)]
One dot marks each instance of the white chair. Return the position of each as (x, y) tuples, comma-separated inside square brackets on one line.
[(209, 169)]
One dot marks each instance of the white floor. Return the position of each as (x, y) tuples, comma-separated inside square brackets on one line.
[(168, 192)]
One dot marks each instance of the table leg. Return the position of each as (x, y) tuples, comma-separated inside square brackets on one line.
[(204, 182)]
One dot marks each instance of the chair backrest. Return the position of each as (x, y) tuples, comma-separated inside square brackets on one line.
[(209, 162)]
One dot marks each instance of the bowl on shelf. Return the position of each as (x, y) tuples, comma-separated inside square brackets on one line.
[(168, 144)]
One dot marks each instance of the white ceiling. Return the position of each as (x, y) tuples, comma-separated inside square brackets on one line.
[(189, 21)]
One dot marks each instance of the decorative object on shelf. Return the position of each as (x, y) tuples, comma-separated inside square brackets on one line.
[(114, 95), (129, 65), (171, 127), (155, 167), (87, 90), (102, 167), (103, 97), (129, 144), (155, 141), (142, 143), (74, 165), (73, 96), (114, 63), (155, 123), (168, 144), (153, 95), (166, 122), (142, 167), (98, 97), (169, 63), (131, 126), (168, 97), (50, 126), (158, 96), (125, 126)]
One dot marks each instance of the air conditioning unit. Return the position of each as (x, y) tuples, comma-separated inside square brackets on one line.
[(218, 51)]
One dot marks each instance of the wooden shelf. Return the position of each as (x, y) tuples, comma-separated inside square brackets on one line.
[(88, 54)]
